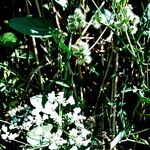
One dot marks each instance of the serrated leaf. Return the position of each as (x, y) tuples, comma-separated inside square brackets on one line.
[(144, 100), (36, 27), (8, 39)]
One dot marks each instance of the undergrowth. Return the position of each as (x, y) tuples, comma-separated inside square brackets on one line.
[(74, 75)]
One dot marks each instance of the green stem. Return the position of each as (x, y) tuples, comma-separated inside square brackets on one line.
[(38, 64)]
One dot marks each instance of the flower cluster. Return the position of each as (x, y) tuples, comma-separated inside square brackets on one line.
[(127, 20), (6, 134), (82, 52), (76, 21), (18, 122), (55, 124), (102, 17)]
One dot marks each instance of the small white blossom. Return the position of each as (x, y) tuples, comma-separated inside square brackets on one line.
[(45, 117), (77, 110), (88, 59), (11, 127), (60, 98), (133, 29), (85, 132), (83, 45), (4, 128), (71, 100), (12, 112), (73, 132), (53, 146), (51, 97), (78, 141), (74, 148), (27, 125), (12, 136), (30, 118), (5, 136)]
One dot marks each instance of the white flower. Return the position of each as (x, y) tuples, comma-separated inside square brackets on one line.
[(11, 127), (45, 117), (58, 120), (86, 142), (85, 132), (38, 119), (136, 20), (133, 29), (27, 125), (88, 59), (12, 112), (77, 110), (12, 136), (79, 12), (73, 132), (79, 125), (74, 148), (83, 45), (5, 136), (4, 128), (51, 97), (86, 52), (53, 146), (30, 118), (60, 98), (78, 141), (71, 100)]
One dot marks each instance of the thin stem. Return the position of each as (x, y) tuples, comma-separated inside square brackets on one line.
[(103, 81), (38, 8), (130, 44), (38, 63), (114, 95)]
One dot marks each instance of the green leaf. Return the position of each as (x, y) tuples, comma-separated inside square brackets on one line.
[(8, 39), (38, 135), (144, 100), (59, 38), (36, 27), (62, 84)]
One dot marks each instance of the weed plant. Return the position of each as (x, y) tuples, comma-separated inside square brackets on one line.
[(75, 75)]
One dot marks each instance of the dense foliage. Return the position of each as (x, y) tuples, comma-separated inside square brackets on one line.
[(74, 75)]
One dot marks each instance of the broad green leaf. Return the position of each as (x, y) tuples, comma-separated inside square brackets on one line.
[(36, 101), (38, 135), (36, 27), (8, 39), (144, 100)]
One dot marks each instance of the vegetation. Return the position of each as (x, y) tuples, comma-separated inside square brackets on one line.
[(74, 74)]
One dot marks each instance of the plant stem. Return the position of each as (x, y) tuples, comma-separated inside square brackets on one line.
[(38, 64)]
